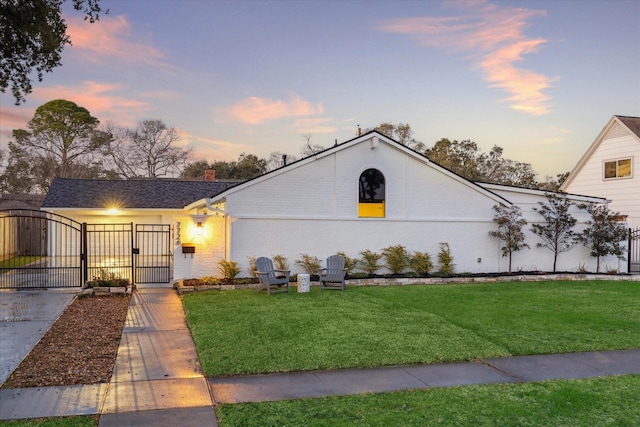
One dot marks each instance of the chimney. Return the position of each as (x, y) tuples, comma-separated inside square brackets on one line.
[(210, 175), (359, 131)]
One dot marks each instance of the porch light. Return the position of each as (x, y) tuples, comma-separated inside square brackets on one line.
[(199, 228)]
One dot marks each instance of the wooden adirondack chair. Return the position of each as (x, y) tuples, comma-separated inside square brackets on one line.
[(332, 277), (271, 278)]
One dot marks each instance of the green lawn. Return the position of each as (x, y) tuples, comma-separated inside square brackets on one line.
[(18, 261), (81, 421), (609, 401), (242, 332)]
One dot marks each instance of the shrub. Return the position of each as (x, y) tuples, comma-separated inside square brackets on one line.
[(106, 278), (280, 262), (421, 263), (445, 259), (350, 264), (369, 262), (310, 264), (209, 281), (253, 270), (228, 269), (397, 258)]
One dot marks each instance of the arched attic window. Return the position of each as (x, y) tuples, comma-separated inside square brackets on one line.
[(371, 194)]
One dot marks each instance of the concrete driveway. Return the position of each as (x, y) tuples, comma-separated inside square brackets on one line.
[(25, 316)]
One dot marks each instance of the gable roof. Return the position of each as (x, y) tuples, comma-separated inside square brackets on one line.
[(633, 123), (374, 137), (616, 126), (130, 194)]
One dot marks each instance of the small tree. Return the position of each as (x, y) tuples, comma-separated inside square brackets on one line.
[(421, 263), (397, 258), (603, 235), (557, 231), (445, 259), (510, 223), (370, 261)]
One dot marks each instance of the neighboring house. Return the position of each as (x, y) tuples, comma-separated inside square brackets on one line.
[(21, 201), (611, 168), (367, 193)]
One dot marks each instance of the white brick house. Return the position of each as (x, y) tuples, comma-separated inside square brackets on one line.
[(315, 206), (367, 193)]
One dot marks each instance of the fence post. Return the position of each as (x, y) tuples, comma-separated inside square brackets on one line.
[(83, 257)]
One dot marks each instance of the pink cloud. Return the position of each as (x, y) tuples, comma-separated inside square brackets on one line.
[(315, 125), (494, 39), (256, 110), (109, 39)]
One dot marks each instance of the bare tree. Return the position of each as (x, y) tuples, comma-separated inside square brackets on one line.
[(147, 151), (309, 149), (278, 159)]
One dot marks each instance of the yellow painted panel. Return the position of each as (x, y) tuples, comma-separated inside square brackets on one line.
[(371, 210)]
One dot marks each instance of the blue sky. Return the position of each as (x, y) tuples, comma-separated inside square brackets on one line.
[(538, 78)]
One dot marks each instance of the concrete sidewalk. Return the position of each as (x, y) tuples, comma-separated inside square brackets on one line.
[(157, 379)]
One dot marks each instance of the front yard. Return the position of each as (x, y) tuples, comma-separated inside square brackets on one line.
[(242, 332)]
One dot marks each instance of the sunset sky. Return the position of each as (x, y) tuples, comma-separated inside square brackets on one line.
[(538, 78)]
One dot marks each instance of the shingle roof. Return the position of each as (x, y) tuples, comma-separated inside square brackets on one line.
[(130, 194), (21, 201), (633, 123)]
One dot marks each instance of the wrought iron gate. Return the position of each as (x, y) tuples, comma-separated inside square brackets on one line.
[(109, 251), (44, 250), (153, 255), (634, 251), (39, 250)]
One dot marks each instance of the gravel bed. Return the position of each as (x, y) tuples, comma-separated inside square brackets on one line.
[(79, 348)]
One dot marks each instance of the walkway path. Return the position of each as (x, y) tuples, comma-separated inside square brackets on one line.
[(157, 379)]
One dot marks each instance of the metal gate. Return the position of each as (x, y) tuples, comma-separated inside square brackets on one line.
[(634, 251), (44, 250), (39, 250), (109, 251), (153, 255)]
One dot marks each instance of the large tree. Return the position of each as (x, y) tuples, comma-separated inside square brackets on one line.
[(62, 139), (246, 167), (32, 37), (466, 159), (149, 150), (557, 231), (401, 132), (249, 166)]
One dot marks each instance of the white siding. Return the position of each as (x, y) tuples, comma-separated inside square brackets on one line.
[(624, 192)]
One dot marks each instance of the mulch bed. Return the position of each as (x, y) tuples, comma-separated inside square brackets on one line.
[(79, 348)]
